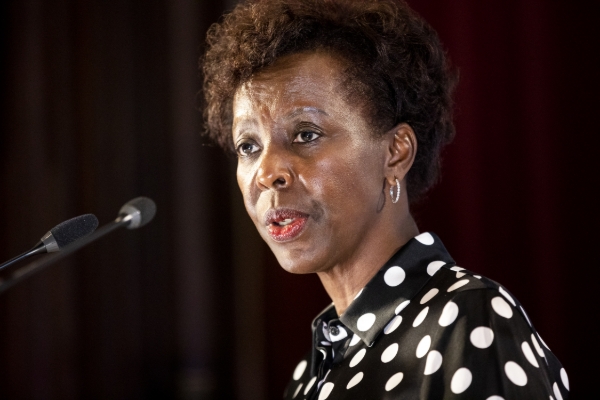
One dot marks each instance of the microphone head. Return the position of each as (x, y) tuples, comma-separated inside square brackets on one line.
[(69, 231), (140, 211)]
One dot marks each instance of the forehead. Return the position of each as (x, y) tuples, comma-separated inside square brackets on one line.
[(295, 81)]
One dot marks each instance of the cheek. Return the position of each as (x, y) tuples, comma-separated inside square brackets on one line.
[(245, 180), (343, 183), (330, 181)]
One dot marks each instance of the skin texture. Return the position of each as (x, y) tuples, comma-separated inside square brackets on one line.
[(304, 145)]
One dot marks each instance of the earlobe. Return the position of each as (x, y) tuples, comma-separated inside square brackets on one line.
[(402, 148)]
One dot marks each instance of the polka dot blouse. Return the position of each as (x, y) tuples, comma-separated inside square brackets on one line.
[(424, 328)]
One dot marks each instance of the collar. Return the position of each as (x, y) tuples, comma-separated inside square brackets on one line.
[(392, 288)]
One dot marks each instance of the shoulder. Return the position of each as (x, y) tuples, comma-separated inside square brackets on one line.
[(479, 329), (461, 283), (479, 301)]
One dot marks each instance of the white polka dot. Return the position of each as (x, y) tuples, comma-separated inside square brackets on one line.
[(423, 346), (433, 363), (501, 307), (529, 354), (537, 346), (358, 357), (297, 391), (551, 398), (365, 322), (394, 276), (458, 273), (429, 295), (355, 380), (564, 378), (326, 390), (401, 306), (556, 391), (394, 381), (495, 398), (542, 340), (393, 324), (508, 296), (479, 277), (389, 353), (458, 285), (515, 373), (434, 266), (461, 380), (299, 370), (449, 314), (421, 317), (482, 337), (526, 316), (355, 339), (310, 385), (425, 238)]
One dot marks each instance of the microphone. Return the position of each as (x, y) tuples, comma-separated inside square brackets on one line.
[(134, 214), (60, 236), (137, 212)]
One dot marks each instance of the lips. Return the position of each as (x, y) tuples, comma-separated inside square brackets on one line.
[(284, 224)]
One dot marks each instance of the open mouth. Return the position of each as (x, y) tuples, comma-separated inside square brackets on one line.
[(285, 224)]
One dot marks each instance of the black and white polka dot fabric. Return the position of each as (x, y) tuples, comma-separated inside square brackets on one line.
[(424, 328)]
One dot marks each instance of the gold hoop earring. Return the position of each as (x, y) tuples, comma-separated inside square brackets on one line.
[(395, 198)]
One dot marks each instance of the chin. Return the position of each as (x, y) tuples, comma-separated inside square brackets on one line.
[(296, 262), (300, 256)]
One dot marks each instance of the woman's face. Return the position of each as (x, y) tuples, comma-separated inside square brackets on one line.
[(310, 168)]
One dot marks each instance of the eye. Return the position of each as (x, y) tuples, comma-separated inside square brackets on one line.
[(306, 136), (247, 148)]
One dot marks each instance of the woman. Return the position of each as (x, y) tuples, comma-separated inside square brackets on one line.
[(338, 111)]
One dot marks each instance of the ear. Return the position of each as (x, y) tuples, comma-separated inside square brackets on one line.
[(401, 151)]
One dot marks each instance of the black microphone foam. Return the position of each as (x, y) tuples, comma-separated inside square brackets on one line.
[(74, 229), (142, 210)]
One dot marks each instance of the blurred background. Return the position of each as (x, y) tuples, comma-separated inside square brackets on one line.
[(99, 106)]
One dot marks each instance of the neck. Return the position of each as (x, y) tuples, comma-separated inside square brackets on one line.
[(344, 281)]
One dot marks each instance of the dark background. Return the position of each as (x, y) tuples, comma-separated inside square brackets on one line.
[(98, 107)]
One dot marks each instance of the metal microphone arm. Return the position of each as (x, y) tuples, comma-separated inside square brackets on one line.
[(37, 249), (33, 267), (60, 236), (134, 214)]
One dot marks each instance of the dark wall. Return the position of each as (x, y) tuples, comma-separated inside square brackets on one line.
[(514, 202), (98, 107)]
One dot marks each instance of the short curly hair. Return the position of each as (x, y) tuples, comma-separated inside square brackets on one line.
[(393, 52)]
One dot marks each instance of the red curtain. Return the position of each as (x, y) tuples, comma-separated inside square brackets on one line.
[(515, 201)]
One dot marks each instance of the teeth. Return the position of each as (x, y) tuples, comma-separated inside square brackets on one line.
[(286, 222)]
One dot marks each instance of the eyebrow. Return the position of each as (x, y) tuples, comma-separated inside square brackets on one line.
[(238, 126), (295, 112), (301, 110)]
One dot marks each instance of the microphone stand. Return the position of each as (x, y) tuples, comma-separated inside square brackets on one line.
[(37, 249), (33, 267)]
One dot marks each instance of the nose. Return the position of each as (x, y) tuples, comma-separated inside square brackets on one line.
[(274, 171)]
